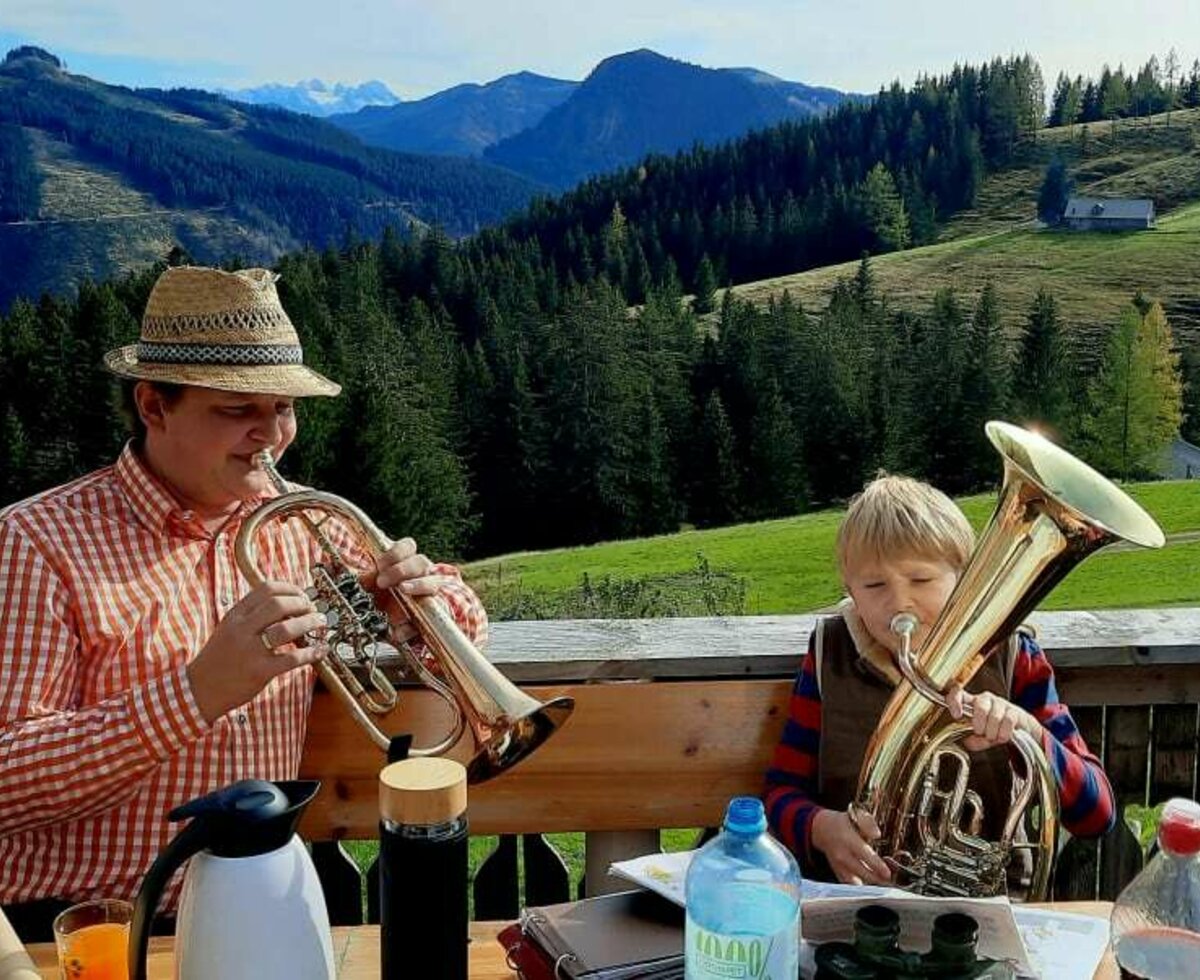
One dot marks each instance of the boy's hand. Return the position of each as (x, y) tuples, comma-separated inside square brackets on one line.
[(993, 719), (852, 859)]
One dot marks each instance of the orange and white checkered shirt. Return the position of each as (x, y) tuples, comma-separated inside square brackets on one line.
[(107, 590)]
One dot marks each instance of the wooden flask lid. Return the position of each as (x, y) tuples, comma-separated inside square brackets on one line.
[(423, 792)]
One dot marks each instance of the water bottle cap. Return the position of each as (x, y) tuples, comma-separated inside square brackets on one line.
[(746, 816), (1179, 831)]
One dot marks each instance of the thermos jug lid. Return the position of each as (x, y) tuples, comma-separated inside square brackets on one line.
[(423, 791)]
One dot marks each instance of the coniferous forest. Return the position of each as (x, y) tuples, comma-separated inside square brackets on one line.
[(546, 383)]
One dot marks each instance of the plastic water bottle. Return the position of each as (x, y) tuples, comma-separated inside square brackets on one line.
[(1156, 919), (743, 903)]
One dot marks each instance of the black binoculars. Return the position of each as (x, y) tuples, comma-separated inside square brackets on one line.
[(875, 953)]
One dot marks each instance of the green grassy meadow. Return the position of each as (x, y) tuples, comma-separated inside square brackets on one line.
[(788, 565)]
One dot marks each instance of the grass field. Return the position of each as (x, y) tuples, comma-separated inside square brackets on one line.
[(788, 564), (1092, 275)]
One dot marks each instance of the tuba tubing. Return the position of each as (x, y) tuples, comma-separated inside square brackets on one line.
[(1053, 512), (505, 724)]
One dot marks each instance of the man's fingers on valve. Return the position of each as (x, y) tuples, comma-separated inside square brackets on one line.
[(291, 630)]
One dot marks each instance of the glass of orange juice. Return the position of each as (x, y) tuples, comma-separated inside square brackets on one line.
[(93, 940)]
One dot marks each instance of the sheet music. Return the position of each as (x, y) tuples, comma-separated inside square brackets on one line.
[(1062, 945)]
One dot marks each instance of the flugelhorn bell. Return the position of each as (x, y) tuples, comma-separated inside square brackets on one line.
[(504, 723)]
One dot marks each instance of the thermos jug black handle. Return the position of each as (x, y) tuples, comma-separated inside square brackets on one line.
[(189, 841)]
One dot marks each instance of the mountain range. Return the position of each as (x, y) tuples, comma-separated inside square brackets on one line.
[(640, 103), (559, 132), (463, 120), (315, 97), (97, 179)]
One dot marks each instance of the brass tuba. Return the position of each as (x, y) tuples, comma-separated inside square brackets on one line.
[(505, 724), (1053, 511)]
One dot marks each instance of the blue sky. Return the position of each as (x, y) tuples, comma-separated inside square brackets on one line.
[(421, 46)]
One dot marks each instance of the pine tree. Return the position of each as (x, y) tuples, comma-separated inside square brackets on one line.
[(706, 287), (836, 416), (1056, 189), (1191, 93), (1136, 396), (717, 490), (656, 507), (884, 217), (1058, 102), (776, 458), (591, 394), (943, 355), (986, 386), (1041, 385), (1189, 371)]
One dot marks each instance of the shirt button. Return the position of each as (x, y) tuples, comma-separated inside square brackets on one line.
[(243, 718), (225, 599)]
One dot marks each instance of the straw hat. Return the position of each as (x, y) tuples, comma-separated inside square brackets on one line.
[(218, 329)]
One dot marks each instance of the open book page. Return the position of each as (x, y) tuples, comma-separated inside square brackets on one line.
[(665, 874)]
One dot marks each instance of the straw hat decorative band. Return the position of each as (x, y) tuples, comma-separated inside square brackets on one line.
[(218, 329)]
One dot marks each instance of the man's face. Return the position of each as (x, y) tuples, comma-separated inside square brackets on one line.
[(204, 443), (883, 587)]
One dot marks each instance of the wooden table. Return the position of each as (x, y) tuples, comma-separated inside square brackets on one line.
[(357, 951)]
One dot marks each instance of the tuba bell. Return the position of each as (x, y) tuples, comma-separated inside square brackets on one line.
[(504, 723), (1053, 511)]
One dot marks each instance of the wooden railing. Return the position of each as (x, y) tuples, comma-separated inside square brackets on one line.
[(674, 716)]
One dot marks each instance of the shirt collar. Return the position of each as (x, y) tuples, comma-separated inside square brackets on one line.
[(874, 656), (153, 504)]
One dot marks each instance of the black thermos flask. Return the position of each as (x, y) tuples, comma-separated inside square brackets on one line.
[(423, 870)]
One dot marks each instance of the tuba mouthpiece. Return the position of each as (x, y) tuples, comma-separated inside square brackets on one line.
[(904, 624)]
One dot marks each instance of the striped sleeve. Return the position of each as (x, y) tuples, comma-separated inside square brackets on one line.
[(1084, 793), (60, 760), (791, 783)]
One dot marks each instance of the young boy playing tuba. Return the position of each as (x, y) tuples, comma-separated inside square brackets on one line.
[(901, 549)]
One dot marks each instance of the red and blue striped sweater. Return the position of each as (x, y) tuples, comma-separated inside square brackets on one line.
[(1085, 796)]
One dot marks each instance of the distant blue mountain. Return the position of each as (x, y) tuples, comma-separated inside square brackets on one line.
[(641, 102), (315, 97), (462, 120)]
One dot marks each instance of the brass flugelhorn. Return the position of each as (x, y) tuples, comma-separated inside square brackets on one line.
[(504, 723), (1053, 511)]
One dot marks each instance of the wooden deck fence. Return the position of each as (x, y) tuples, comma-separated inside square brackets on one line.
[(1131, 678)]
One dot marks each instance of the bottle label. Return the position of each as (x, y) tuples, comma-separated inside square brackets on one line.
[(717, 956)]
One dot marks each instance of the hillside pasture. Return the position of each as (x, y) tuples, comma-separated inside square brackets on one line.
[(788, 565)]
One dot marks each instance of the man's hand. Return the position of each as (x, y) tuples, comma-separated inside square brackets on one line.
[(993, 719), (852, 859), (402, 567), (251, 645)]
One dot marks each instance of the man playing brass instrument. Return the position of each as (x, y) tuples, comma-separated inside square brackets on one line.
[(137, 668), (901, 549)]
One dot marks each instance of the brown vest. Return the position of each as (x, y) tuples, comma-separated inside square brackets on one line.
[(853, 696)]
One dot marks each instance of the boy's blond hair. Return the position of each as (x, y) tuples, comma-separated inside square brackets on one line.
[(897, 516)]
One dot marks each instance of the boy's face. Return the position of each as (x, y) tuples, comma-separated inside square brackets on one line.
[(883, 587)]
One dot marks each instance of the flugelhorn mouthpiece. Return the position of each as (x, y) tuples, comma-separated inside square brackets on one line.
[(904, 624), (265, 461)]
